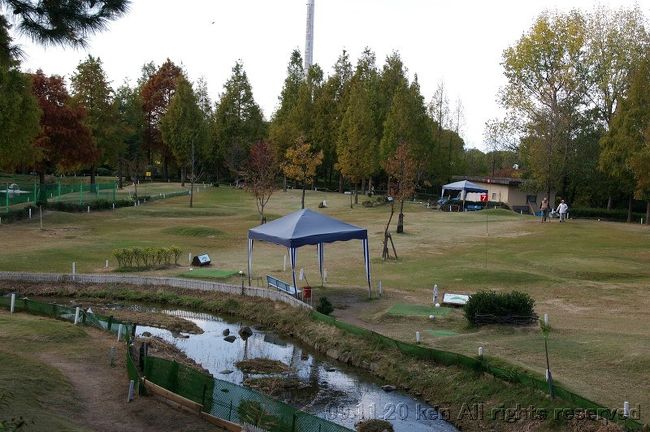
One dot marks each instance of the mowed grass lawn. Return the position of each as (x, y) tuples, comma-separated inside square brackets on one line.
[(592, 278)]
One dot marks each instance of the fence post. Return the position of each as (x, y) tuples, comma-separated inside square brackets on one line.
[(13, 303), (293, 422), (7, 198), (110, 322), (119, 332), (230, 411), (58, 196), (74, 270), (76, 315), (81, 193), (131, 391)]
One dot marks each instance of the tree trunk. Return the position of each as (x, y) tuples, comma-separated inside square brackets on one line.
[(629, 209), (182, 176), (165, 169), (120, 183), (42, 195), (284, 183), (609, 203), (192, 192), (400, 218), (363, 186), (385, 254), (340, 183), (302, 201), (93, 178), (356, 194), (647, 213)]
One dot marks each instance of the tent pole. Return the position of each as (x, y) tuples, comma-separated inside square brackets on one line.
[(250, 259)]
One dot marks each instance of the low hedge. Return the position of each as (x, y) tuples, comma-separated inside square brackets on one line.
[(144, 258), (604, 214), (73, 207), (501, 307)]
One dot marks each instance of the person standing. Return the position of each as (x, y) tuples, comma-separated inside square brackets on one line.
[(544, 208), (562, 209)]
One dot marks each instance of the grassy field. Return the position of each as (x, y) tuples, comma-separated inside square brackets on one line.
[(592, 278)]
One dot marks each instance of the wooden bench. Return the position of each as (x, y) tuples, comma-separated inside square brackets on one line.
[(282, 286)]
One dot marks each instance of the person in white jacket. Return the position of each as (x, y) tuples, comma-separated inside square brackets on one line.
[(562, 209)]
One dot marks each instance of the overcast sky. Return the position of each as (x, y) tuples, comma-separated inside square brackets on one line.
[(458, 42)]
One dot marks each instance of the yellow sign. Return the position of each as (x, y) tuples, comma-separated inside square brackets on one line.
[(148, 174)]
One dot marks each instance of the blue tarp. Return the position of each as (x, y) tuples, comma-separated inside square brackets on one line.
[(307, 227)]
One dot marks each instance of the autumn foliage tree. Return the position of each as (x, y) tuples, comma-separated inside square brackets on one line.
[(402, 168), (157, 93), (64, 143), (301, 163), (260, 173)]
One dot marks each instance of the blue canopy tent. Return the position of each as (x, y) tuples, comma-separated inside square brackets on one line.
[(306, 227), (463, 186)]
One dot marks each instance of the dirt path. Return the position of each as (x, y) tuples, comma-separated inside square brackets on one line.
[(102, 392)]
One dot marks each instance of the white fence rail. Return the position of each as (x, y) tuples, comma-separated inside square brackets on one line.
[(154, 281)]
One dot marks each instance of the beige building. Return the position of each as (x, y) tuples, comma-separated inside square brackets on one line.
[(507, 190)]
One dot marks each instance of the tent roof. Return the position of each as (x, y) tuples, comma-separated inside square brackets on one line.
[(465, 185), (306, 227)]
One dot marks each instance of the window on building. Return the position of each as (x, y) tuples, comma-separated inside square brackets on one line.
[(494, 196)]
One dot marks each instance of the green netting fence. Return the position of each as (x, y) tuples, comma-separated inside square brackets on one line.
[(513, 375), (81, 193), (231, 402)]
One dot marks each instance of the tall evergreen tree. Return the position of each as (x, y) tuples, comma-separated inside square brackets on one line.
[(184, 128), (237, 123), (130, 128), (91, 90), (19, 109)]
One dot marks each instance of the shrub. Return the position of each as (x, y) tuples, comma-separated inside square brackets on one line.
[(139, 258), (499, 306), (324, 306), (604, 214)]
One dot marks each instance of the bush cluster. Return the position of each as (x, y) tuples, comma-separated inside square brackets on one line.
[(15, 215), (324, 306), (499, 305), (142, 258)]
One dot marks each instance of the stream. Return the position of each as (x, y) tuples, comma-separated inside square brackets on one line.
[(324, 387)]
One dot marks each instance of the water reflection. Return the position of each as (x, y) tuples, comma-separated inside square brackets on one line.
[(330, 390)]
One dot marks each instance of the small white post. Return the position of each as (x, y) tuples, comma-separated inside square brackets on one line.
[(626, 409), (13, 303), (435, 293), (131, 391), (417, 337), (77, 311), (40, 215), (30, 212), (113, 206), (381, 289), (284, 263), (189, 257), (88, 209), (325, 275), (546, 319), (119, 332), (74, 269), (106, 264), (112, 356), (0, 221), (302, 274), (480, 352)]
